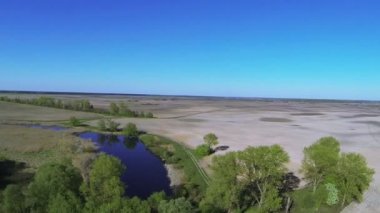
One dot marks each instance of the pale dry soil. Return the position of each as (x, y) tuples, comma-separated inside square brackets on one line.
[(242, 123)]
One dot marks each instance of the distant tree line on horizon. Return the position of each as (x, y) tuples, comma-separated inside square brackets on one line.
[(117, 109)]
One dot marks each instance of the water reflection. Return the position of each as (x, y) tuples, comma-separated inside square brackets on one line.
[(145, 172)]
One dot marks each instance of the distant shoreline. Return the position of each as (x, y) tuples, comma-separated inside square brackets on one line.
[(190, 97)]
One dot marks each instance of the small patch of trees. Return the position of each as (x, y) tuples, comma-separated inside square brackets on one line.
[(104, 190), (73, 121), (59, 187), (254, 179), (130, 130), (343, 176), (175, 205), (122, 109), (108, 125), (210, 140)]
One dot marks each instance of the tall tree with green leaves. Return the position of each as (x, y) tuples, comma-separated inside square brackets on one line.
[(261, 170), (223, 193), (51, 180), (175, 206), (104, 190), (114, 109), (123, 109), (102, 125), (13, 199), (130, 130), (66, 202), (211, 139), (247, 180), (320, 160), (113, 126), (135, 205), (352, 177), (75, 121)]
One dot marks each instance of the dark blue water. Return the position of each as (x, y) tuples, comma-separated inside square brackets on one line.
[(51, 127), (145, 173)]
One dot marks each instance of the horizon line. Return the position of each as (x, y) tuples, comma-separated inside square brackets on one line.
[(181, 95)]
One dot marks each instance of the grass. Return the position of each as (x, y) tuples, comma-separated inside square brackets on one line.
[(34, 147), (174, 153), (13, 112)]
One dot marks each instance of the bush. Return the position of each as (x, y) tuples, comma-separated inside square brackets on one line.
[(75, 121), (203, 150), (102, 125), (112, 125), (130, 130)]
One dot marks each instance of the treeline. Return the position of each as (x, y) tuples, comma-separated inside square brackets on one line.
[(118, 109), (59, 187)]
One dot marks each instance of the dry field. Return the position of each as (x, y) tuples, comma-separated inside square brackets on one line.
[(13, 113), (242, 123)]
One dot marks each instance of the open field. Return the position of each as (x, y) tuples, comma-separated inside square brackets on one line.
[(30, 148), (12, 112), (242, 123)]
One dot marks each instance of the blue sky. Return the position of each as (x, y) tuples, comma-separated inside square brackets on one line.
[(267, 48)]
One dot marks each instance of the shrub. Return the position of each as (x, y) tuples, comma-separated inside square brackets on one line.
[(74, 121), (130, 130), (203, 150), (112, 125), (102, 125)]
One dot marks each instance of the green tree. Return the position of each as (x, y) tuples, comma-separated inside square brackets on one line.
[(261, 170), (102, 125), (203, 150), (352, 177), (211, 140), (149, 115), (85, 105), (225, 187), (130, 130), (104, 190), (74, 121), (13, 199), (155, 199), (49, 181), (114, 109), (179, 205), (123, 109), (66, 202), (135, 205), (112, 125), (248, 178), (320, 160)]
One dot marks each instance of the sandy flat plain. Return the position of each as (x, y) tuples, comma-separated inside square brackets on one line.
[(242, 123)]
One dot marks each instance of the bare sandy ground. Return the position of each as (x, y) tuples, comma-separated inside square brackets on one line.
[(243, 123), (293, 125)]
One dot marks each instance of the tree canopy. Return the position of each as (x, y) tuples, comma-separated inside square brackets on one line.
[(104, 190), (211, 139), (247, 179), (320, 159), (130, 130), (51, 180)]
